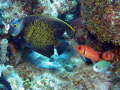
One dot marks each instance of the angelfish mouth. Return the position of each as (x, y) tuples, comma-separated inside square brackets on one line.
[(7, 27), (14, 35)]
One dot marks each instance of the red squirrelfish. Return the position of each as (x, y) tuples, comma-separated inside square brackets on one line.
[(108, 55), (89, 53)]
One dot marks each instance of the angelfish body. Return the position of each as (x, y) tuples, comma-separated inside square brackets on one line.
[(102, 66), (40, 33), (89, 52)]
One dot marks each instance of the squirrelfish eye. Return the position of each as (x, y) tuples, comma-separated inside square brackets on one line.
[(106, 55), (15, 25), (79, 47)]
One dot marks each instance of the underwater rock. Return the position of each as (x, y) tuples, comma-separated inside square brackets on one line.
[(102, 19)]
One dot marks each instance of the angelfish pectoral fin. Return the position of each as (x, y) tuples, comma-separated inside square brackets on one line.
[(61, 47)]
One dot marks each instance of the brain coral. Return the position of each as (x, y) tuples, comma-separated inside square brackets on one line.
[(102, 18)]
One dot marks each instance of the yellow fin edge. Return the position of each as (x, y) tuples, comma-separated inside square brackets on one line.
[(66, 24)]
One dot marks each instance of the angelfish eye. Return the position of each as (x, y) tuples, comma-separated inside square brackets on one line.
[(15, 25), (96, 66)]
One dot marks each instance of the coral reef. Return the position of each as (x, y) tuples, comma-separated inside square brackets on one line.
[(10, 11), (29, 70), (74, 74), (1, 25), (57, 7), (8, 73), (102, 19), (13, 78), (48, 7), (71, 74), (82, 77), (16, 55), (83, 36), (81, 33)]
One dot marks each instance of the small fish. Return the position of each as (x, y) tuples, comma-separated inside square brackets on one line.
[(108, 55), (102, 66), (89, 53)]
